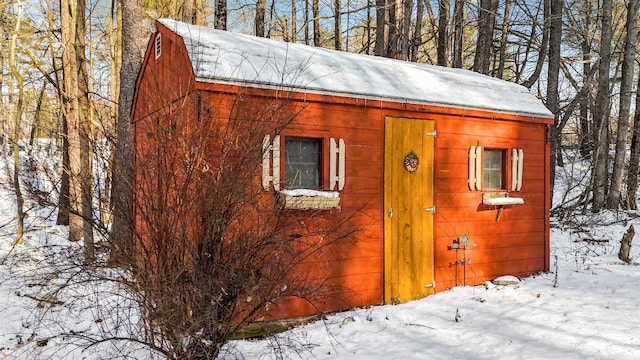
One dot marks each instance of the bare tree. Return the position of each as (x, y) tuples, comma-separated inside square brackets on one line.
[(261, 8), (220, 14), (626, 90), (381, 27), (486, 23), (601, 116), (68, 18), (417, 32), (585, 145), (84, 137), (553, 99), (17, 126), (214, 253), (337, 29), (394, 11), (504, 40), (634, 159), (458, 32), (187, 12), (443, 33), (121, 236), (406, 29), (294, 21), (316, 22)]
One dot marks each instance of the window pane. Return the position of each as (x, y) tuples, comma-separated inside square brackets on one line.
[(492, 169), (302, 163)]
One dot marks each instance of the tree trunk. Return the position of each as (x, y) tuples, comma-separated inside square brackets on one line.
[(187, 12), (443, 33), (601, 116), (294, 20), (306, 22), (122, 196), (626, 90), (503, 40), (417, 33), (16, 127), (553, 99), (586, 145), (68, 18), (337, 32), (381, 15), (458, 32), (115, 32), (486, 22), (406, 29), (84, 128), (261, 8), (392, 38), (3, 114), (634, 159), (220, 17), (316, 22)]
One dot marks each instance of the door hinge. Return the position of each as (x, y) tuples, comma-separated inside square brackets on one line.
[(390, 212), (432, 285), (430, 209), (431, 133)]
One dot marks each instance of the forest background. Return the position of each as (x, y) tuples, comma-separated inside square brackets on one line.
[(68, 72)]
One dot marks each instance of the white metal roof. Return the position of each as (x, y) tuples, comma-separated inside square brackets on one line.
[(222, 56)]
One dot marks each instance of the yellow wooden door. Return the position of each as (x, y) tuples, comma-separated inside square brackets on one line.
[(408, 203)]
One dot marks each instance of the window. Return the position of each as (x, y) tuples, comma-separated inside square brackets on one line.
[(303, 163), (493, 174), (158, 46), (488, 169)]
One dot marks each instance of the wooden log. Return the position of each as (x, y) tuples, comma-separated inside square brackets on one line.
[(625, 245)]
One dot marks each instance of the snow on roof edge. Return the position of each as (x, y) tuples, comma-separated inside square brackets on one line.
[(240, 59), (398, 100)]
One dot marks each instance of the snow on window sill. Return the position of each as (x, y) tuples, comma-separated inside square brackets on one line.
[(500, 199), (306, 199)]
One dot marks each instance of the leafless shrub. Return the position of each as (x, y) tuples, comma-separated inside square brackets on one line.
[(212, 251)]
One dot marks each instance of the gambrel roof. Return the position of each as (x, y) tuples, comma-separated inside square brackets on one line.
[(227, 57)]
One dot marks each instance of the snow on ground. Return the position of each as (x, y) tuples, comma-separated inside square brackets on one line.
[(585, 308), (590, 313)]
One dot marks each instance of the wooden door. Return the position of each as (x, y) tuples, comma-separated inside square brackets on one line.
[(408, 203)]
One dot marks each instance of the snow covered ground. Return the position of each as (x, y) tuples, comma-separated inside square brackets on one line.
[(586, 308)]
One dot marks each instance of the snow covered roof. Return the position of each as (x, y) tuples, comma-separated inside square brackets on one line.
[(234, 58)]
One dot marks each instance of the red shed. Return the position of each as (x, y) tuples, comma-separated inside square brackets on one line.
[(444, 172)]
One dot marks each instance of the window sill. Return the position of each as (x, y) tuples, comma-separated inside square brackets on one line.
[(303, 199), (500, 199)]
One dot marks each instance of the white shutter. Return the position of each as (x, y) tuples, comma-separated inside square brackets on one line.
[(333, 163), (478, 166), (514, 169), (520, 168), (266, 168), (341, 164), (276, 162), (472, 168), (336, 163)]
